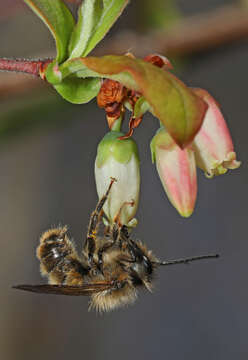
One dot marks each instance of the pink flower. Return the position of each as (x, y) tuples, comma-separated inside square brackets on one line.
[(213, 144), (177, 172)]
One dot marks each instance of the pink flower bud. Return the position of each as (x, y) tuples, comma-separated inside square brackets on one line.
[(177, 172), (213, 144)]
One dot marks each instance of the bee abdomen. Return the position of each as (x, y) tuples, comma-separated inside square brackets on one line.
[(58, 258)]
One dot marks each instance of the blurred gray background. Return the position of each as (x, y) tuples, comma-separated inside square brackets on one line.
[(47, 154)]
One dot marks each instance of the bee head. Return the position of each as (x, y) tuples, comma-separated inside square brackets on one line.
[(141, 268)]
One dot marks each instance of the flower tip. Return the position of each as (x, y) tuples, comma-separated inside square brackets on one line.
[(220, 168), (186, 213), (231, 162), (235, 164), (132, 223)]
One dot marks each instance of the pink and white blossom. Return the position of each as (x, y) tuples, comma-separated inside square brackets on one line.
[(213, 144), (177, 171)]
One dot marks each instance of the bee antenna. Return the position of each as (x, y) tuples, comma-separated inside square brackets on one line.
[(186, 260)]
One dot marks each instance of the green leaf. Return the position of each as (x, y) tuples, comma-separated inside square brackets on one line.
[(173, 103), (95, 19), (80, 69), (59, 20), (89, 15), (77, 68), (78, 91)]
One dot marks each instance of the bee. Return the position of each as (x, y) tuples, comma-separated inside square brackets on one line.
[(110, 270)]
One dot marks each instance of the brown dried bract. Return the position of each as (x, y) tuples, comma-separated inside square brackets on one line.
[(159, 61), (133, 124), (111, 92), (111, 97)]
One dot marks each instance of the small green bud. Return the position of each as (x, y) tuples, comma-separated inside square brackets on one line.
[(53, 73)]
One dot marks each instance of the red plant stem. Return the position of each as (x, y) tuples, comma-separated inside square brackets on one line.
[(32, 67)]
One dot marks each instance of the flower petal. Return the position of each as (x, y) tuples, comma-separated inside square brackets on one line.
[(213, 144), (177, 171)]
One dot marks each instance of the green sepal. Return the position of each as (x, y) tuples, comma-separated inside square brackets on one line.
[(79, 91), (160, 139), (153, 147), (112, 146), (141, 107), (59, 20)]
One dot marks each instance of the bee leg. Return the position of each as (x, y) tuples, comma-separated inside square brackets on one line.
[(105, 247), (116, 235), (113, 233), (117, 218), (96, 216), (106, 229), (125, 241), (120, 232)]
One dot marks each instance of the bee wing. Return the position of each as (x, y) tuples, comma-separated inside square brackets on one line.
[(83, 290)]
